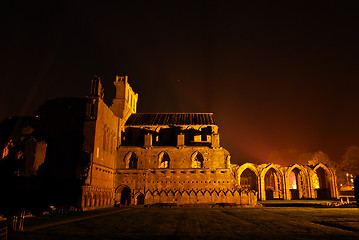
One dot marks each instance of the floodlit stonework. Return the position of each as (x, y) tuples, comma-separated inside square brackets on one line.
[(176, 158), (95, 156), (273, 181), (139, 158)]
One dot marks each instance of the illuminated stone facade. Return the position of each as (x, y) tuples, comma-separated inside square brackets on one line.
[(94, 156), (273, 181), (153, 158), (176, 158)]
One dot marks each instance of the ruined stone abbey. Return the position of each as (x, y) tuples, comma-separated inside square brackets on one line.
[(146, 158), (130, 158)]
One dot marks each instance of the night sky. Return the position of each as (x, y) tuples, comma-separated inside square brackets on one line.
[(276, 76)]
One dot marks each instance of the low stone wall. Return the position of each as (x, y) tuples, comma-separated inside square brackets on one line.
[(240, 197)]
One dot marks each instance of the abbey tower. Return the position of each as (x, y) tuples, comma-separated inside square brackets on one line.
[(125, 102)]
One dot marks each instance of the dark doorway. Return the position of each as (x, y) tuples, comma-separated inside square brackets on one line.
[(140, 199), (125, 196), (269, 194), (294, 193)]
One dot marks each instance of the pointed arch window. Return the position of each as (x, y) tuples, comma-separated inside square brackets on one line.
[(197, 160), (248, 179), (131, 160), (164, 160)]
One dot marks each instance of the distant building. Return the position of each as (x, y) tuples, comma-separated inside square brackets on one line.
[(93, 156)]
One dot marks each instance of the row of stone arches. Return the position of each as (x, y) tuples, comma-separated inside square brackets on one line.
[(164, 161), (125, 197), (295, 182), (97, 199)]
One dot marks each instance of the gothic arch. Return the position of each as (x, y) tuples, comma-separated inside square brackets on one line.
[(248, 176), (271, 183), (171, 196), (200, 196), (215, 196), (163, 160), (131, 160), (192, 197), (325, 187), (297, 182), (156, 196), (163, 196), (123, 195), (222, 197), (140, 199), (185, 198), (321, 165), (197, 160)]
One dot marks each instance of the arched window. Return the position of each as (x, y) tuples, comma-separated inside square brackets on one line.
[(140, 199), (164, 160), (131, 160), (197, 160), (297, 183), (273, 184), (123, 195), (248, 179)]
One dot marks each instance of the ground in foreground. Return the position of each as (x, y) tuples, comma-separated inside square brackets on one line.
[(199, 223)]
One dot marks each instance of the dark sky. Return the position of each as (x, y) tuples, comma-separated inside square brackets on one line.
[(276, 76)]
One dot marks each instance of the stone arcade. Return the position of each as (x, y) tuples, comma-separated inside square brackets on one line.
[(130, 158), (147, 158)]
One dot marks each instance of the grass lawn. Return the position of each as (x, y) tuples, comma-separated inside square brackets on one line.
[(198, 223)]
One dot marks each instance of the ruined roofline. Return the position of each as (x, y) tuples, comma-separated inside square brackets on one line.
[(165, 119)]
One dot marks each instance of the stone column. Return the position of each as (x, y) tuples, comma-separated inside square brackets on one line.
[(262, 187), (180, 140), (215, 141), (148, 140)]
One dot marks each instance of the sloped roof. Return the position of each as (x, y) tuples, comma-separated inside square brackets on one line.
[(150, 119)]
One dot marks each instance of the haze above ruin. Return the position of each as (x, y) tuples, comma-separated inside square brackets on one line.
[(275, 76)]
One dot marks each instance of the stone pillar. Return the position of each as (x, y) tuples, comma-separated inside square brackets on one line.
[(83, 200), (215, 141), (148, 140), (262, 187), (180, 140), (288, 193), (333, 184)]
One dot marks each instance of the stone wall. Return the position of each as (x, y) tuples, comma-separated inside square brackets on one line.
[(173, 162), (273, 181), (101, 133), (179, 157), (182, 186), (240, 197)]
